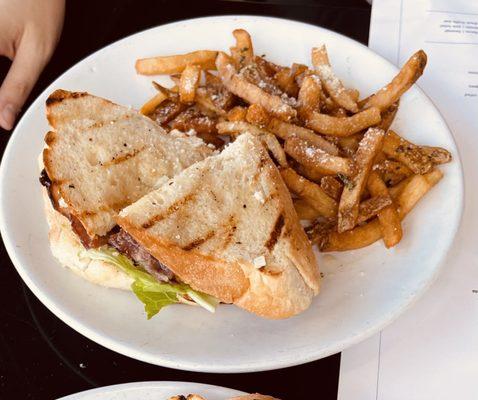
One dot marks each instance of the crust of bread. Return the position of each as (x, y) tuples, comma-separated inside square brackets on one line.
[(211, 243), (101, 157), (223, 280), (66, 247)]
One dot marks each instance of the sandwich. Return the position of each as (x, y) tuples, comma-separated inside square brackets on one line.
[(162, 214), (100, 157), (226, 226)]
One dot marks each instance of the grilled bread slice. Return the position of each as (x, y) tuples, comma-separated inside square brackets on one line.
[(101, 157), (66, 247), (227, 227)]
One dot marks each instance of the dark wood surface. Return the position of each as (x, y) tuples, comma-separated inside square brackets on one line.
[(43, 358)]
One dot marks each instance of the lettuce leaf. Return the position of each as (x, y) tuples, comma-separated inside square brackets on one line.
[(153, 294)]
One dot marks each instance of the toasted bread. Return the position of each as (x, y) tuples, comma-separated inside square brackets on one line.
[(66, 247), (101, 157), (227, 227)]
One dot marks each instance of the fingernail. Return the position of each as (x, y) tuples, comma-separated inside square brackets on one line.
[(9, 113)]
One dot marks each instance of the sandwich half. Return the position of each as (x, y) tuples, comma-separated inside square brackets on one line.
[(99, 158), (226, 226)]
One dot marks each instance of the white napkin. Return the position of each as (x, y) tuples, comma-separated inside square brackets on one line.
[(431, 352)]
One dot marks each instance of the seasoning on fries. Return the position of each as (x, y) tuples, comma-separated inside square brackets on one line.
[(313, 157), (368, 148), (351, 175), (332, 84), (342, 126)]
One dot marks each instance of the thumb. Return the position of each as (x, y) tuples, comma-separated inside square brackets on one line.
[(24, 71)]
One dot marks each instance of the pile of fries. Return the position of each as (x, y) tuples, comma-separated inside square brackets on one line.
[(350, 175)]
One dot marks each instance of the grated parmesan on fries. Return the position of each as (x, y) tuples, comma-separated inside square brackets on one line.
[(351, 176)]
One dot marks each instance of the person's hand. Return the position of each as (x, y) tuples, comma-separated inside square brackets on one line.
[(29, 32)]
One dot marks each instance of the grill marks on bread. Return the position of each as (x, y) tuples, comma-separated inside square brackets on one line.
[(118, 159), (215, 219), (226, 232), (198, 242), (59, 95), (170, 210), (275, 233), (101, 157)]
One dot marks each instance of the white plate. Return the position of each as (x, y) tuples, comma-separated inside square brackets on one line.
[(362, 291), (154, 391)]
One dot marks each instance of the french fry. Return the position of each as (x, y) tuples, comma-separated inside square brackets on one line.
[(252, 74), (397, 189), (372, 207), (188, 83), (332, 186), (408, 75), (237, 113), (406, 152), (349, 144), (353, 93), (388, 217), (257, 115), (313, 157), (350, 199), (310, 192), (311, 174), (339, 112), (237, 127), (250, 92), (153, 103), (319, 231), (217, 93), (203, 100), (211, 138), (176, 64), (285, 79), (161, 88), (328, 105), (392, 172), (192, 119), (305, 210), (168, 110), (416, 188), (388, 116), (265, 67), (437, 155), (176, 78), (361, 236), (211, 79), (367, 210), (267, 138), (243, 52), (331, 83), (298, 69), (272, 144), (346, 126), (285, 130), (309, 95)]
